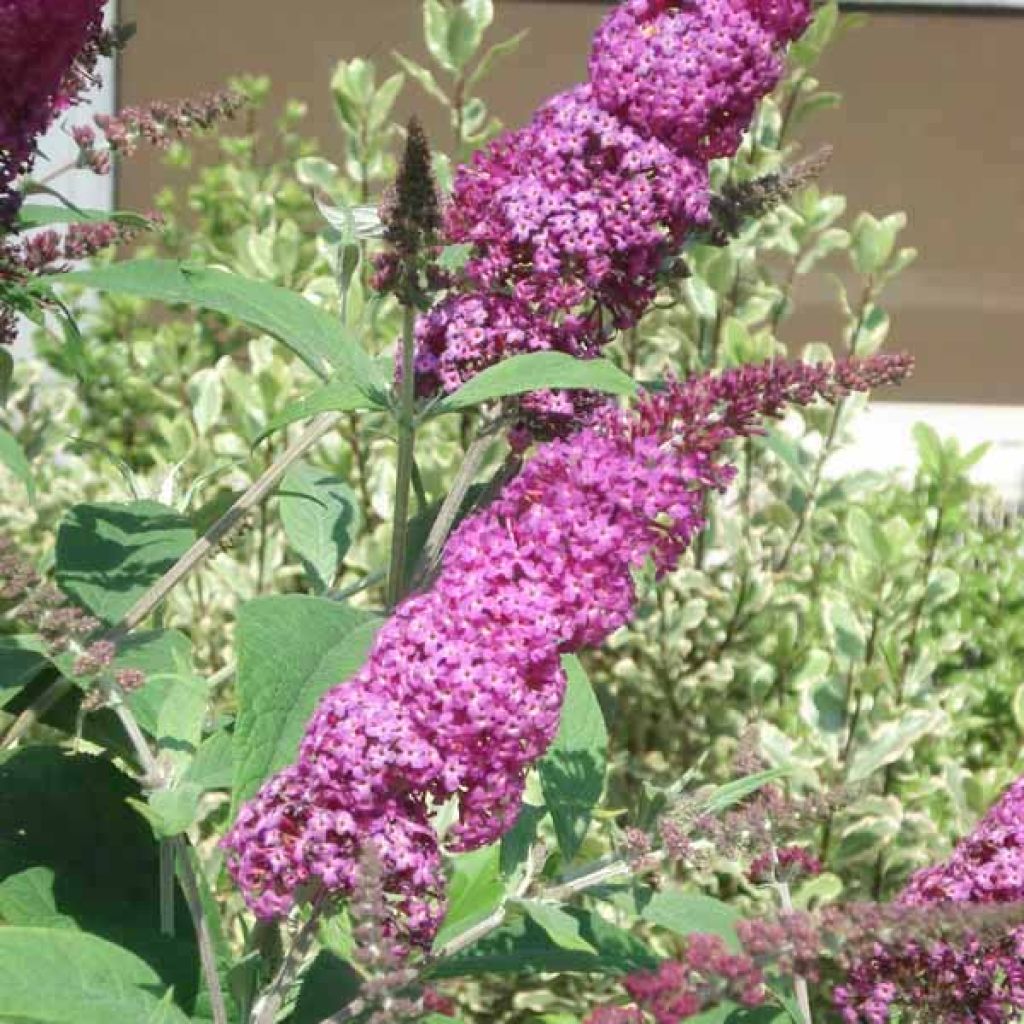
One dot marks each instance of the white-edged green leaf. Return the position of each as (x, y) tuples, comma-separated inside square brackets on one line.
[(892, 741)]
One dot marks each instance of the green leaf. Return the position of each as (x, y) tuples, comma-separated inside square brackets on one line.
[(436, 18), (573, 770), (12, 456), (40, 215), (731, 1013), (873, 241), (206, 392), (67, 818), (336, 395), (422, 75), (536, 371), (213, 767), (20, 663), (692, 913), (58, 976), (561, 927), (522, 946), (845, 628), (321, 516), (313, 334), (170, 811), (27, 898), (517, 842), (164, 656), (330, 984), (468, 22), (291, 650), (494, 54), (6, 375), (929, 448), (892, 741), (943, 585), (476, 889), (109, 555), (731, 793)]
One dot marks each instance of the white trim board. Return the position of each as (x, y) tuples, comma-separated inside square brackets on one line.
[(883, 440)]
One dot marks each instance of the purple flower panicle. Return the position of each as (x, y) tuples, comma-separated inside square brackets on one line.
[(575, 219), (463, 686), (976, 980), (688, 74), (45, 61)]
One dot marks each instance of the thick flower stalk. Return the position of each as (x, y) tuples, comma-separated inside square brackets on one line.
[(47, 53), (574, 220), (462, 690), (976, 980)]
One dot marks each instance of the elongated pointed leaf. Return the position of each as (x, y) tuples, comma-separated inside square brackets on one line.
[(291, 650), (692, 913), (337, 395), (315, 336), (522, 946), (562, 928), (573, 770), (37, 215), (12, 456), (538, 371), (20, 663)]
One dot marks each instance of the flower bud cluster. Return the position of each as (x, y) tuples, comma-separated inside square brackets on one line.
[(62, 627)]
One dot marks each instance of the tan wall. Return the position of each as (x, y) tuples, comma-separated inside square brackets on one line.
[(931, 124)]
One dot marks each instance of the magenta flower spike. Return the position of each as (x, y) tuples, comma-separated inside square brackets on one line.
[(462, 690)]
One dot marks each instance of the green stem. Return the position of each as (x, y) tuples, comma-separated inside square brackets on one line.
[(916, 617), (828, 445), (406, 447), (800, 990)]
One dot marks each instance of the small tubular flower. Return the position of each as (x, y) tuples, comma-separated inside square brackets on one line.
[(462, 689)]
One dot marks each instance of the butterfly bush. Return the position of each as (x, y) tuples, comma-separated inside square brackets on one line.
[(977, 980), (462, 689), (47, 53), (574, 219)]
